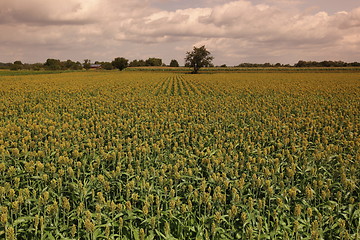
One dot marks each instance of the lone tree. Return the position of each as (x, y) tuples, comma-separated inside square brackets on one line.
[(120, 63), (198, 58)]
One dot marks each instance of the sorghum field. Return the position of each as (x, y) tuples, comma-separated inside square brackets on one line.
[(150, 155)]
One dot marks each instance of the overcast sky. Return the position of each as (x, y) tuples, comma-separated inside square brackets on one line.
[(256, 31)]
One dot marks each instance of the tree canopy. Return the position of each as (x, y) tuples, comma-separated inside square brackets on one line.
[(120, 63), (198, 58), (52, 64), (153, 62), (174, 63)]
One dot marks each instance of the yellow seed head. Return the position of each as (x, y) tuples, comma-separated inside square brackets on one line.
[(128, 205), (292, 192), (89, 225), (121, 223), (145, 209), (233, 211), (11, 193), (80, 208), (10, 233), (172, 193), (296, 226), (142, 234), (113, 206), (98, 208), (135, 197), (15, 206), (4, 218), (153, 222), (70, 171), (243, 217), (73, 230), (309, 212), (87, 214), (297, 210), (309, 193), (213, 228), (66, 204)]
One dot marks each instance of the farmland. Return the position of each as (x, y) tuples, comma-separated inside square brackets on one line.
[(153, 155)]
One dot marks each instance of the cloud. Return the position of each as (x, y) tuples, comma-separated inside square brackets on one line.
[(347, 20), (234, 30), (38, 12), (67, 23), (251, 26), (235, 20)]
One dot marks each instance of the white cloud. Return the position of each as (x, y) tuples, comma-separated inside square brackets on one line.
[(253, 27), (48, 12), (234, 20), (235, 30)]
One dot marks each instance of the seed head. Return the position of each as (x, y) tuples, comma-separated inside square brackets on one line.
[(297, 210), (89, 225), (10, 233), (73, 231), (142, 234)]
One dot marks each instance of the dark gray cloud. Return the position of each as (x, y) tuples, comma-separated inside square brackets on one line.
[(235, 31)]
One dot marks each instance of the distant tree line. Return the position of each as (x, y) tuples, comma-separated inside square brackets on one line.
[(50, 64), (251, 65), (55, 64), (301, 63), (146, 63), (122, 63)]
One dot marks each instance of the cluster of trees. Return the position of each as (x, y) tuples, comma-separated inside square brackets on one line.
[(199, 57), (50, 64), (250, 65), (18, 65), (146, 63), (121, 63), (302, 63), (55, 64)]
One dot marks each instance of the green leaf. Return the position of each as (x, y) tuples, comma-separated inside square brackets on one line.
[(159, 233), (150, 235), (21, 220), (49, 236)]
